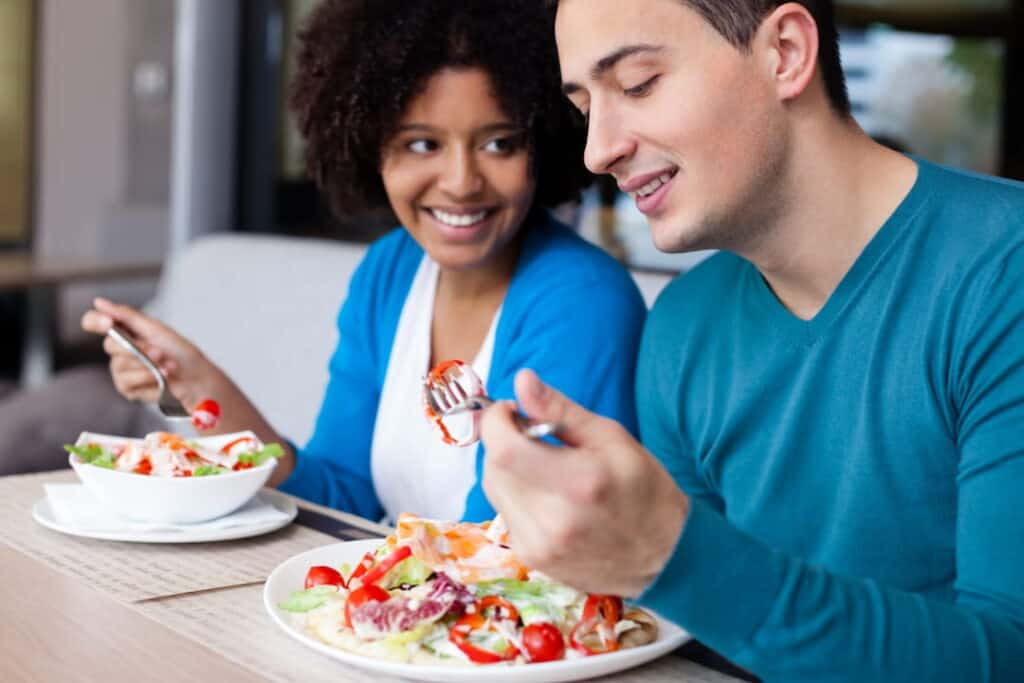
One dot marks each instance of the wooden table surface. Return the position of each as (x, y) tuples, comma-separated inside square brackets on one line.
[(67, 632), (58, 623)]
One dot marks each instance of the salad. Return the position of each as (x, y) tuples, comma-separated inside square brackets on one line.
[(162, 454), (455, 593)]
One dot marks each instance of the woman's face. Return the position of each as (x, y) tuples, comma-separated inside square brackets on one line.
[(457, 171)]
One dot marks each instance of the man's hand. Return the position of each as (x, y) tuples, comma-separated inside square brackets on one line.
[(600, 514)]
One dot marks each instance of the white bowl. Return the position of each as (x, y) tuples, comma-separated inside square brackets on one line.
[(170, 500)]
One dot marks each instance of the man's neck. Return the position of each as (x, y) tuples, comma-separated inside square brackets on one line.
[(837, 201)]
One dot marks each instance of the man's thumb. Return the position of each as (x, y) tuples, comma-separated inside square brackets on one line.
[(545, 404)]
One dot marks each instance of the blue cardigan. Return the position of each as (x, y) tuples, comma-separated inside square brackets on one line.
[(572, 313)]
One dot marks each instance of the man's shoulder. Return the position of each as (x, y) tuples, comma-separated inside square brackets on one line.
[(972, 208), (703, 289)]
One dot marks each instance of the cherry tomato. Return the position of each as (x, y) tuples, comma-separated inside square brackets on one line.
[(543, 642), (321, 575), (206, 414), (145, 466), (361, 596)]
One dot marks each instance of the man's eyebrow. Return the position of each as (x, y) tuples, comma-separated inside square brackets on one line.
[(608, 62)]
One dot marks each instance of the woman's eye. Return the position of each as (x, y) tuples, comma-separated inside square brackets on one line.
[(642, 89), (421, 146), (504, 145)]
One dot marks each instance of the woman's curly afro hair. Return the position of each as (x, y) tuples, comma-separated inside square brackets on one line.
[(361, 62)]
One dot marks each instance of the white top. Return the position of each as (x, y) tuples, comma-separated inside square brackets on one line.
[(413, 469)]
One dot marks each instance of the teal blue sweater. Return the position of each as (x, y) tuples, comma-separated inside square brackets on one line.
[(857, 480)]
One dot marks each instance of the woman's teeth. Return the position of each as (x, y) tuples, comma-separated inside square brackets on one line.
[(458, 220), (651, 187)]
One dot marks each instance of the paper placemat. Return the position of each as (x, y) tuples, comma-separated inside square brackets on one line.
[(132, 572)]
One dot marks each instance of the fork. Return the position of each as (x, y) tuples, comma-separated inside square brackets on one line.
[(168, 404), (446, 397)]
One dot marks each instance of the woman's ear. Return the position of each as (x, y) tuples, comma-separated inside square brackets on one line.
[(788, 38)]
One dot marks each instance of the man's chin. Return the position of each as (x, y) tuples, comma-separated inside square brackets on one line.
[(670, 239)]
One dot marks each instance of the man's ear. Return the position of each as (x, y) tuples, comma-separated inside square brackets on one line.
[(788, 39)]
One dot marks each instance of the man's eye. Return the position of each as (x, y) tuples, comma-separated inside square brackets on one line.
[(421, 146), (642, 89)]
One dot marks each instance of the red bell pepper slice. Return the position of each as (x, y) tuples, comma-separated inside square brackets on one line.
[(600, 614), (500, 605), (459, 636), (378, 572), (363, 566)]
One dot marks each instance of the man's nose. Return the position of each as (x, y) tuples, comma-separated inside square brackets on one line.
[(608, 142)]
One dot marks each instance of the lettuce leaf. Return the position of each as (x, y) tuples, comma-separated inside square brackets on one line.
[(411, 571), (93, 454), (304, 601), (209, 470), (257, 458)]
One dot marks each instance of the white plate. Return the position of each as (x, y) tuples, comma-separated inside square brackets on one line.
[(42, 513), (290, 575)]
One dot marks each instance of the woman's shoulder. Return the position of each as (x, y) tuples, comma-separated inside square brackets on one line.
[(395, 248), (557, 256)]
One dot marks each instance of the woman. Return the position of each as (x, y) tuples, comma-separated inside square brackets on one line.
[(451, 114)]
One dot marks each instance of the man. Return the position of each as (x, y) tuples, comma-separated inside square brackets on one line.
[(835, 403)]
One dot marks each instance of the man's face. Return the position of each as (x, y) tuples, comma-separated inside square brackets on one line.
[(687, 124)]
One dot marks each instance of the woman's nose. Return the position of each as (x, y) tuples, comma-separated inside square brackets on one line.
[(461, 176)]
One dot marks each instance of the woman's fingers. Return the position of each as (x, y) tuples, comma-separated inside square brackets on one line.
[(135, 384)]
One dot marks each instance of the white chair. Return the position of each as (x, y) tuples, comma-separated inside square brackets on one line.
[(264, 309)]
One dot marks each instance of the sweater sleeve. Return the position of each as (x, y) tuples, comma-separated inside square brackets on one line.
[(788, 620), (334, 467), (581, 337), (661, 432)]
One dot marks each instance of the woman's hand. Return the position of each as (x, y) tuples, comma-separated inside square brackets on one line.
[(191, 377)]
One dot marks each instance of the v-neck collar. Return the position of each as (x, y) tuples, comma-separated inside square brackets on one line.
[(771, 311)]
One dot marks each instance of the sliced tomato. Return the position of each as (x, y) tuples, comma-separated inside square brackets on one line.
[(206, 414), (322, 575), (361, 596), (145, 466), (543, 642)]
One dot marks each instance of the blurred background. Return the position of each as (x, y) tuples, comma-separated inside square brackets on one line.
[(128, 127)]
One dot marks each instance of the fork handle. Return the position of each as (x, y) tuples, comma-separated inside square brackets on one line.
[(120, 335), (536, 430)]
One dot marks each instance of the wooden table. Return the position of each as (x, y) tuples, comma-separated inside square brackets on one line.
[(41, 279), (61, 619)]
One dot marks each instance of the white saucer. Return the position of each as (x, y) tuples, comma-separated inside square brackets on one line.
[(42, 513)]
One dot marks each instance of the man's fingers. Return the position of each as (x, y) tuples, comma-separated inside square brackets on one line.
[(545, 404), (516, 462)]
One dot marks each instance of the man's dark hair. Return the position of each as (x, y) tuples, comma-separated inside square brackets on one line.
[(738, 20), (361, 62)]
